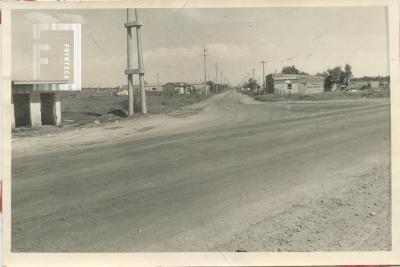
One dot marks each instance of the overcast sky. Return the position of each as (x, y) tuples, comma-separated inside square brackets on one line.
[(312, 39)]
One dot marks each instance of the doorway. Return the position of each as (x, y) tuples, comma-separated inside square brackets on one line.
[(47, 108), (22, 110)]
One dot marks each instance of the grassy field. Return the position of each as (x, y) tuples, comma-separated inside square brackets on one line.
[(368, 93), (90, 106)]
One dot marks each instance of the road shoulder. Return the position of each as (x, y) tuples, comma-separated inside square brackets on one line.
[(355, 219)]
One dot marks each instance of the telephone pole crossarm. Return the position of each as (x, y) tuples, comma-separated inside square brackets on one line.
[(133, 24)]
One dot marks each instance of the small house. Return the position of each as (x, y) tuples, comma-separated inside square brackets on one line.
[(297, 84)]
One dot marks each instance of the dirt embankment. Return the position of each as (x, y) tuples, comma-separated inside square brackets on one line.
[(329, 222)]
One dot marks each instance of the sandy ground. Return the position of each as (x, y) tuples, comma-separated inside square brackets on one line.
[(227, 174), (358, 207)]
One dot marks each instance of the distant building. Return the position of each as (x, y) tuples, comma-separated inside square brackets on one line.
[(374, 84), (180, 88), (153, 87), (295, 84), (35, 108), (200, 89), (359, 85)]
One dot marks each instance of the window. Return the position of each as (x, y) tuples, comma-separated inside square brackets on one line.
[(289, 86)]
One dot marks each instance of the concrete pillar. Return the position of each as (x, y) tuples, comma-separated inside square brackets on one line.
[(58, 108), (12, 113), (36, 117)]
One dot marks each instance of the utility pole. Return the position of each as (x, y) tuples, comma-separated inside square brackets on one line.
[(221, 79), (205, 70), (158, 82), (263, 62), (254, 82), (130, 63), (140, 70), (140, 64), (216, 78)]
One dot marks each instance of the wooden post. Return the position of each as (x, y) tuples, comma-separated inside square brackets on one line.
[(130, 63), (216, 78), (254, 82), (221, 80), (158, 82), (205, 70), (140, 65)]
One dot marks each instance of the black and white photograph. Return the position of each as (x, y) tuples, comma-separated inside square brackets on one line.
[(201, 129)]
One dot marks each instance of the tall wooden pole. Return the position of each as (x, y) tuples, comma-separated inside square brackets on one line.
[(205, 70), (158, 82), (140, 65), (216, 78), (254, 82), (263, 62), (130, 64)]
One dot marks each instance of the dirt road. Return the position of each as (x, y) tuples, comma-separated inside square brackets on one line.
[(234, 174)]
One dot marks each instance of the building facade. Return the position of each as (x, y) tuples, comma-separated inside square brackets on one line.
[(200, 89), (296, 84), (34, 108), (180, 88), (153, 87)]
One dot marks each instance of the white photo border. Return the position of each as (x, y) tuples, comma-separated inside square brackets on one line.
[(196, 258)]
